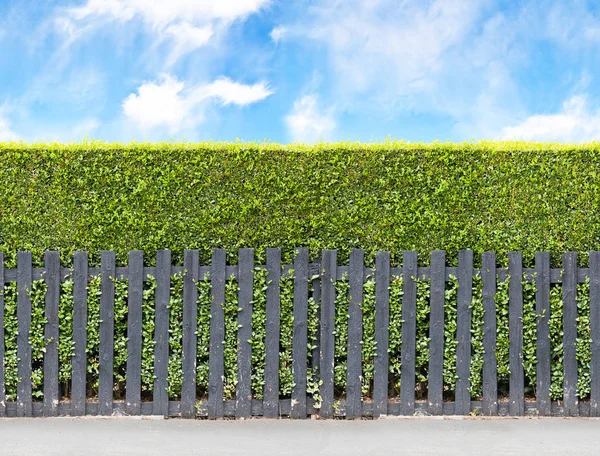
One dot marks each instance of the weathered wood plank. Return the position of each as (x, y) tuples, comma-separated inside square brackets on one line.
[(135, 290), (299, 343), (329, 264), (490, 365), (271, 391), (52, 278), (24, 278), (570, 333), (161, 332), (217, 335), (463, 332), (542, 309), (2, 381), (435, 381), (354, 357), (316, 296), (107, 328), (595, 333), (409, 325), (382, 321), (516, 405), (191, 264), (243, 394), (79, 360)]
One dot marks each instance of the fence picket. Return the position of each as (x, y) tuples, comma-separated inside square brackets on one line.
[(191, 266), (243, 394), (571, 403), (52, 278), (2, 381), (516, 404), (435, 381), (354, 357), (107, 327), (329, 274), (490, 365), (135, 286), (79, 360), (463, 332), (160, 404), (24, 279), (409, 329), (271, 393), (542, 309), (299, 344), (382, 319), (217, 335), (595, 333)]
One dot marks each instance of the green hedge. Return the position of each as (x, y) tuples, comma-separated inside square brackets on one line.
[(389, 196)]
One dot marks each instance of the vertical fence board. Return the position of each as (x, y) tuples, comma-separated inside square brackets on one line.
[(329, 274), (316, 352), (382, 321), (542, 309), (435, 381), (463, 332), (271, 392), (24, 278), (570, 334), (516, 405), (191, 266), (299, 343), (217, 335), (409, 328), (243, 394), (79, 360), (595, 333), (160, 404), (490, 365), (2, 382), (107, 328), (52, 278), (354, 360), (135, 284)]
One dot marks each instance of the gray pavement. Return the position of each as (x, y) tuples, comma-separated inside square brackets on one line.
[(93, 436)]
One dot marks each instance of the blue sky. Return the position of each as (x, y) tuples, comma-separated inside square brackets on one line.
[(300, 70)]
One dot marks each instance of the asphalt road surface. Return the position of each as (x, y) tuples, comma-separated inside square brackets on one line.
[(119, 436)]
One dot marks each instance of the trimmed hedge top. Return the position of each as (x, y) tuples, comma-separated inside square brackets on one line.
[(497, 196)]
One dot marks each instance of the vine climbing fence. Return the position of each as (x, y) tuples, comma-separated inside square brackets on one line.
[(301, 339)]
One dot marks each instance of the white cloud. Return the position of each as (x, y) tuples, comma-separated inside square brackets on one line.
[(6, 133), (170, 104), (278, 33), (576, 122), (186, 24), (307, 122)]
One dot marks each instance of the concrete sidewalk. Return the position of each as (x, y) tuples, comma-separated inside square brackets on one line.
[(94, 436)]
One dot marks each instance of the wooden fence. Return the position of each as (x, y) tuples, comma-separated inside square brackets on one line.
[(323, 275)]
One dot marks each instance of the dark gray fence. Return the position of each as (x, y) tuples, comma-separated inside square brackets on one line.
[(323, 276)]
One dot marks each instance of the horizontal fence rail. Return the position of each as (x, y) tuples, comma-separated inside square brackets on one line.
[(299, 339)]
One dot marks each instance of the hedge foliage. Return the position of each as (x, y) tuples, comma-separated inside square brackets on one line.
[(496, 196)]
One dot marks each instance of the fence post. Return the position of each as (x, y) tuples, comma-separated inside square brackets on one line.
[(382, 321), (191, 266), (160, 405), (217, 335), (595, 333), (135, 274), (300, 336), (329, 275), (24, 279), (490, 365), (79, 360), (354, 359), (409, 328), (2, 382), (435, 381), (52, 278), (542, 309), (463, 332), (243, 394), (516, 405), (107, 325), (571, 403), (271, 393)]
